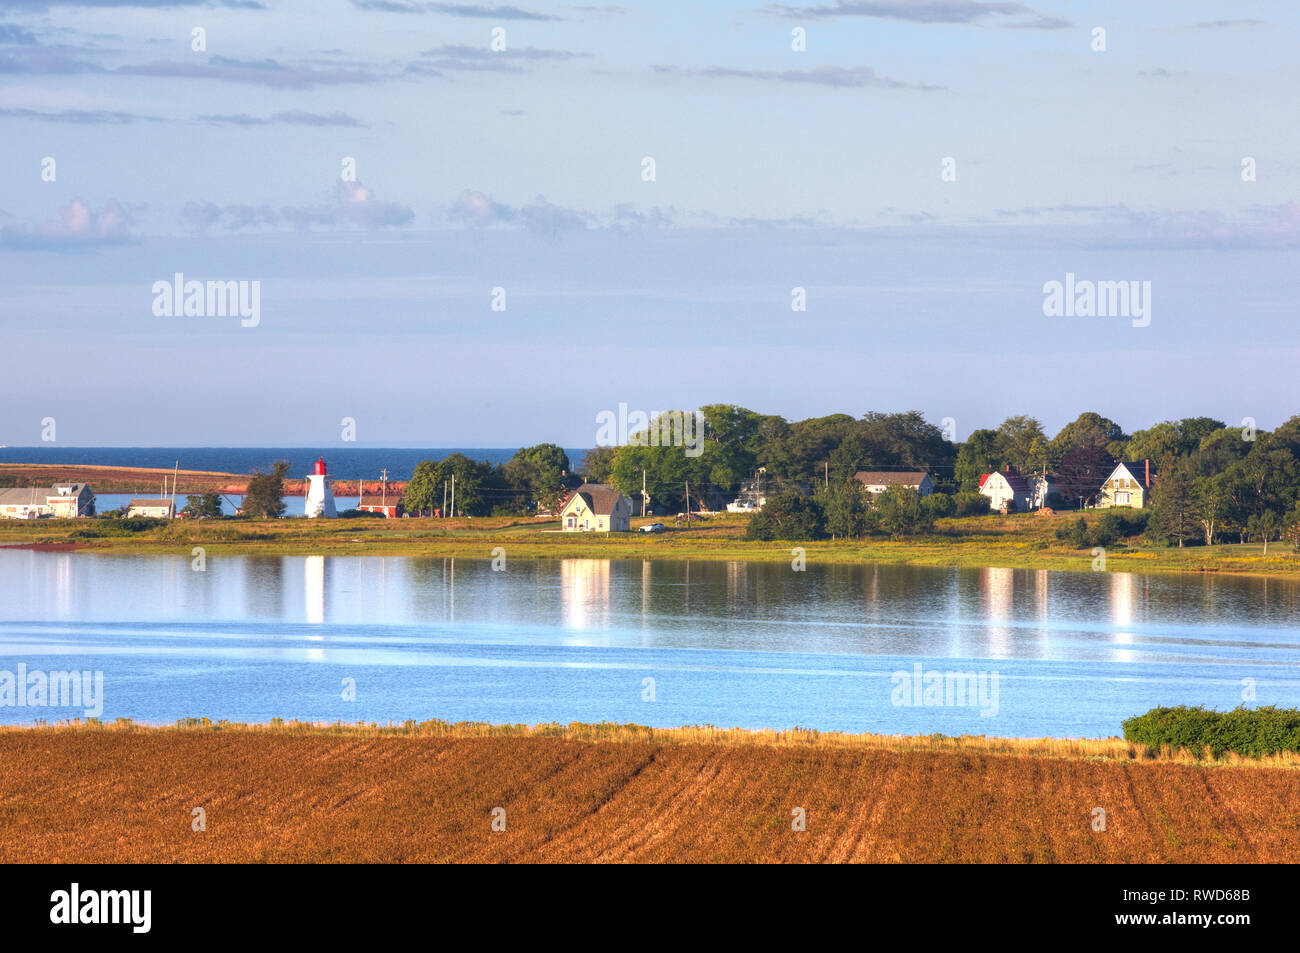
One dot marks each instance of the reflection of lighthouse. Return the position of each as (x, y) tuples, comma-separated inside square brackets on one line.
[(320, 498)]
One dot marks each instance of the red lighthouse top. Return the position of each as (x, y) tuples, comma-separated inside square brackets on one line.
[(320, 466)]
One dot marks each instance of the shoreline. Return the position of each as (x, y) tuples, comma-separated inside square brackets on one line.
[(983, 542)]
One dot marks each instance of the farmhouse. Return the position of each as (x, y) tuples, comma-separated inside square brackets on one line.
[(61, 500), (383, 506), (1128, 485), (1007, 491), (598, 508), (159, 509), (878, 481)]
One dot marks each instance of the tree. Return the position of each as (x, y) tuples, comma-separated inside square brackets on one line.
[(1021, 443), (204, 506), (1087, 430), (1265, 526), (1172, 501), (976, 458), (598, 463), (264, 497), (901, 513), (1209, 503), (845, 509), (538, 473), (424, 491), (1081, 473), (787, 516)]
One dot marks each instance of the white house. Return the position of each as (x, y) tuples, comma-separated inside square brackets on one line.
[(159, 509), (596, 508), (878, 481), (1007, 490), (61, 500)]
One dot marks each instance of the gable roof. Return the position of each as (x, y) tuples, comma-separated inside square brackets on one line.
[(1136, 469), (149, 502), (890, 477), (600, 498)]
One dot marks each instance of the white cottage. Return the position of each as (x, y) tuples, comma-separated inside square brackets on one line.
[(596, 508)]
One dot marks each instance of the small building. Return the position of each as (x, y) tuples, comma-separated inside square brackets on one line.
[(63, 500), (320, 494), (596, 508), (876, 482), (158, 509), (382, 506), (1128, 485), (1007, 490), (1041, 486)]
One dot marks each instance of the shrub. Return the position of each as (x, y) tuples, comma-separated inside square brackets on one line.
[(788, 515), (972, 504), (1245, 731), (938, 505)]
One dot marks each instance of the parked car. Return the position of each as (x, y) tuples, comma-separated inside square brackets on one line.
[(653, 528)]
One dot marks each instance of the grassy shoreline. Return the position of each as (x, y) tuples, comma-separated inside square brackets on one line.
[(1025, 541)]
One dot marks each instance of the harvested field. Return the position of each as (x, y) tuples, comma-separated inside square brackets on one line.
[(299, 794)]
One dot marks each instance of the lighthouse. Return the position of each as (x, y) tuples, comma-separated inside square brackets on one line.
[(320, 498)]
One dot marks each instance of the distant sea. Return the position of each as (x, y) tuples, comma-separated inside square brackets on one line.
[(346, 463)]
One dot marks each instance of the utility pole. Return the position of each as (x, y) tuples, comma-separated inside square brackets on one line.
[(827, 465), (444, 499), (643, 492), (688, 504), (383, 487), (453, 493)]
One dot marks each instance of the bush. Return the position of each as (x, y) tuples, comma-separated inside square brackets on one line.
[(1251, 732), (972, 504), (939, 505), (788, 515)]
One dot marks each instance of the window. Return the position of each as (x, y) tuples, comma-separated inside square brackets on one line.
[(1121, 499)]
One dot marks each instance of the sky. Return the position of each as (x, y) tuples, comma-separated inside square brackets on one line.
[(639, 190)]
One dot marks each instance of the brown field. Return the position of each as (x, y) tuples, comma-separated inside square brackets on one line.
[(610, 794)]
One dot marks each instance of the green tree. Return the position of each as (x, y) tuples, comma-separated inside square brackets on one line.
[(1265, 525), (264, 497), (901, 513), (539, 473), (1087, 430), (1021, 443), (845, 510), (203, 506), (1172, 501), (976, 457), (787, 516)]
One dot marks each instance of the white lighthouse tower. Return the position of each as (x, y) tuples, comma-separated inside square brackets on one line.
[(320, 498)]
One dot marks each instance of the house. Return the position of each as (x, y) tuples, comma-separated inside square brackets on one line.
[(1128, 485), (878, 481), (1007, 491), (159, 509), (596, 508), (383, 506), (65, 500), (751, 498)]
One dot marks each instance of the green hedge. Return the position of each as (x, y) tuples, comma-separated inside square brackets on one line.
[(1246, 731)]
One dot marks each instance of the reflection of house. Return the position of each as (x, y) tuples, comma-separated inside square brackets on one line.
[(1007, 490), (61, 500), (597, 508), (1127, 485), (157, 509), (878, 481)]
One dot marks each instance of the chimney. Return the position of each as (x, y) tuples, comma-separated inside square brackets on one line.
[(1148, 473)]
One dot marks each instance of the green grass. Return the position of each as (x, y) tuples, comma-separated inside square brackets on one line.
[(1020, 541)]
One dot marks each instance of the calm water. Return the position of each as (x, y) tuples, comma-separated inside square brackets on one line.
[(252, 638)]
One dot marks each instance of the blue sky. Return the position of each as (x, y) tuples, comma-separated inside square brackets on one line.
[(522, 169)]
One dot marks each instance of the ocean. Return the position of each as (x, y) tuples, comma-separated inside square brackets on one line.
[(345, 463)]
